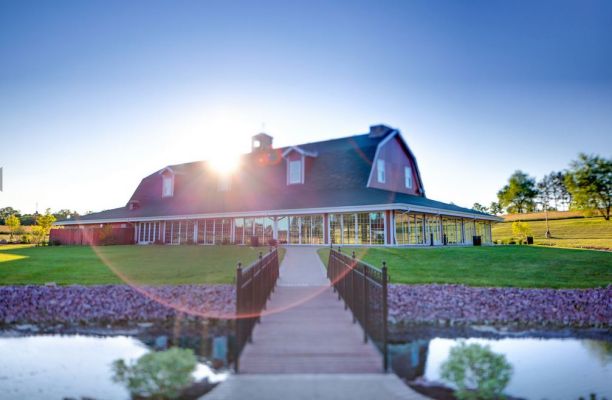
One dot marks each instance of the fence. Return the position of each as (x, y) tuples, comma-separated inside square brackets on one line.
[(364, 290), (92, 236), (254, 284)]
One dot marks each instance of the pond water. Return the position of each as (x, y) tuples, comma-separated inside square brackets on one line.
[(543, 368), (59, 366)]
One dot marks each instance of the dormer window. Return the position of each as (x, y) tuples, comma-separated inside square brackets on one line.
[(408, 177), (224, 183), (295, 172), (296, 164), (167, 185), (380, 167)]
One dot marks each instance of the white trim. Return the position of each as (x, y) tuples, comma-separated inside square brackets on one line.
[(396, 133), (381, 173), (283, 212), (299, 150)]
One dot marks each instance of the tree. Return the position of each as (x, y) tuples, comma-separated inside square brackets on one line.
[(480, 207), (589, 181), (13, 224), (65, 214), (561, 196), (545, 192), (6, 212), (519, 194), (28, 219), (521, 229), (495, 208), (45, 222)]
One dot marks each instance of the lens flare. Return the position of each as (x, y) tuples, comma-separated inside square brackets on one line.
[(177, 303)]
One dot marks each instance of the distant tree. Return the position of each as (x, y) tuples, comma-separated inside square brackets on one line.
[(545, 192), (480, 207), (5, 212), (521, 230), (518, 196), (589, 181), (495, 208), (65, 214), (45, 222), (38, 235), (561, 196), (28, 219), (13, 223)]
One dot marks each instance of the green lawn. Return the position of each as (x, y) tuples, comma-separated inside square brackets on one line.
[(509, 266), (575, 232), (64, 265)]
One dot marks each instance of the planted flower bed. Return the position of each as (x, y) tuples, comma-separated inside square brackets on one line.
[(113, 303), (459, 304), (454, 304)]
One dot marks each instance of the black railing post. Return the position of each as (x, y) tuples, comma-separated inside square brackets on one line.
[(385, 317), (366, 301), (238, 344)]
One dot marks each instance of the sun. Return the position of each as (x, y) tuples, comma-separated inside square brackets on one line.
[(225, 164)]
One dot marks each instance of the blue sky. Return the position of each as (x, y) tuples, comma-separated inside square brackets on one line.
[(95, 95)]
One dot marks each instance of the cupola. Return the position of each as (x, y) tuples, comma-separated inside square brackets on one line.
[(261, 142)]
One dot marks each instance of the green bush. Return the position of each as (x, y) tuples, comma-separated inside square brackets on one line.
[(478, 372), (157, 375)]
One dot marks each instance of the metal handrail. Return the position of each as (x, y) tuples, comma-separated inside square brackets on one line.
[(364, 291), (254, 285)]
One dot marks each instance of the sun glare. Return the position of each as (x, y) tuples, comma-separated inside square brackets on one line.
[(225, 164)]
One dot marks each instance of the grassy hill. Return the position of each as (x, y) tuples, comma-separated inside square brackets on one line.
[(577, 232)]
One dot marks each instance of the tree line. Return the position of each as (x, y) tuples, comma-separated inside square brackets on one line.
[(585, 185), (41, 223)]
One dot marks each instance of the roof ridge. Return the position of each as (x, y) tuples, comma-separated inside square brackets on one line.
[(282, 148)]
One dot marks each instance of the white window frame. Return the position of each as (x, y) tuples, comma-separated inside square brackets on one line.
[(224, 183), (299, 178), (167, 178), (381, 173), (408, 177)]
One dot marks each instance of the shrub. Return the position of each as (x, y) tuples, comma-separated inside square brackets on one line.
[(26, 239), (522, 230), (225, 241), (158, 375), (478, 372)]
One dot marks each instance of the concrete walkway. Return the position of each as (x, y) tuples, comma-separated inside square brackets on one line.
[(307, 347), (319, 386)]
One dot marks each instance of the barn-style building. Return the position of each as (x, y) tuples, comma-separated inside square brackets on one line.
[(360, 190)]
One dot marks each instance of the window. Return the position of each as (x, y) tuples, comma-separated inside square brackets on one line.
[(224, 183), (295, 172), (380, 167), (167, 185), (408, 177)]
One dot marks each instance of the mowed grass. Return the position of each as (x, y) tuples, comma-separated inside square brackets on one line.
[(154, 265), (499, 266), (595, 233)]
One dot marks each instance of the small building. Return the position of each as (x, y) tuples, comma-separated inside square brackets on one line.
[(360, 190)]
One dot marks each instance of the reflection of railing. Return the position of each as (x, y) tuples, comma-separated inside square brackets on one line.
[(364, 290), (254, 284)]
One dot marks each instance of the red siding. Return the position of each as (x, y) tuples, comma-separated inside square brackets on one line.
[(395, 160), (91, 236)]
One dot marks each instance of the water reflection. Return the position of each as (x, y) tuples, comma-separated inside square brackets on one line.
[(59, 366), (543, 368)]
